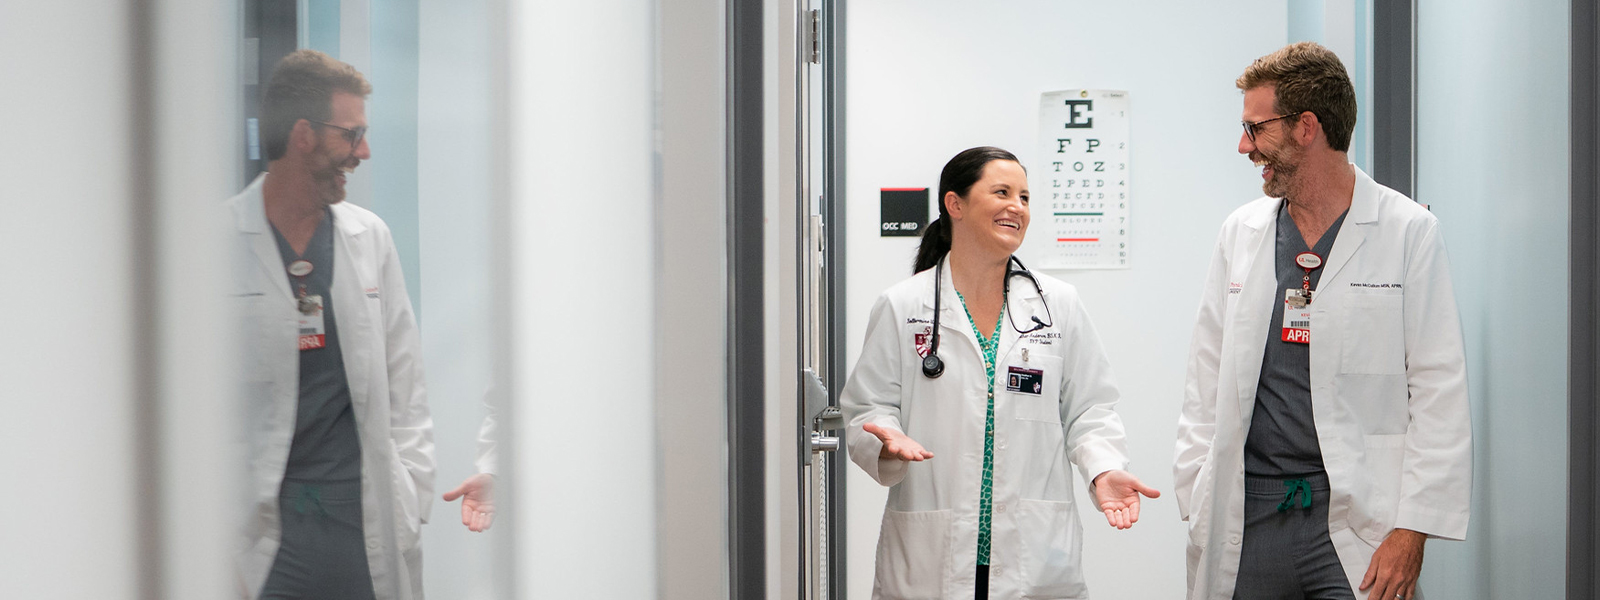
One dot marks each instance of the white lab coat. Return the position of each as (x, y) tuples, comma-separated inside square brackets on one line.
[(1388, 385), (928, 544), (383, 362)]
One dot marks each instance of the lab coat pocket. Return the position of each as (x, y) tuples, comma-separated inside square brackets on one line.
[(1199, 505), (1033, 387), (1374, 334), (1385, 455), (408, 521), (1051, 548), (914, 553)]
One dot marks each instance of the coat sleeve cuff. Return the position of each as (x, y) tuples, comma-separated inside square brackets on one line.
[(1095, 467), (864, 451), (1434, 524)]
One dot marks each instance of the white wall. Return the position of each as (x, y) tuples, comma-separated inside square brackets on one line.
[(930, 78), (583, 197), (1492, 162)]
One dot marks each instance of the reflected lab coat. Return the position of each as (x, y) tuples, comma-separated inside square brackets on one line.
[(1388, 385), (383, 363), (928, 544)]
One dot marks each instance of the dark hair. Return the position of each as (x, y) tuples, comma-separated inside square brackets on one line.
[(302, 87), (1307, 77), (959, 175)]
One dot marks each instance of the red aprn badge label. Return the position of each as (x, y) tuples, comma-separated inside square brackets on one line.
[(1298, 336), (312, 342)]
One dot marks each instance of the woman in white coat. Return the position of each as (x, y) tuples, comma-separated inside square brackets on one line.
[(978, 383)]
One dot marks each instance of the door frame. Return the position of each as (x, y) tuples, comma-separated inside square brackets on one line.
[(746, 386), (835, 218), (1583, 384)]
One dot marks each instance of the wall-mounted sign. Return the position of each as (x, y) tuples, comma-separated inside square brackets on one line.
[(1080, 194), (903, 211)]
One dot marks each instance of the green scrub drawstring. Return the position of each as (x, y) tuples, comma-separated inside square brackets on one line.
[(312, 494), (1296, 486)]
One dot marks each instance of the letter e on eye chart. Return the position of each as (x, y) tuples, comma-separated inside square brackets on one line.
[(1080, 193)]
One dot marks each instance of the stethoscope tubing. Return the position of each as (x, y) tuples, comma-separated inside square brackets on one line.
[(932, 365)]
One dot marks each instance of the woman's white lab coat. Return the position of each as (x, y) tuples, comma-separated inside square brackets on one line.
[(1388, 385), (382, 359), (928, 544)]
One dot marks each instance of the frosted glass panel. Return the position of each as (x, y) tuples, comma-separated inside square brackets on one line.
[(1492, 163)]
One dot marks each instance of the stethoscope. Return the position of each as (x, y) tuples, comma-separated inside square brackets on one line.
[(932, 365)]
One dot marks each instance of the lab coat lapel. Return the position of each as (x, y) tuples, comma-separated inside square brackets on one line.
[(350, 304), (1253, 313), (953, 319), (1028, 303), (250, 218), (1363, 211)]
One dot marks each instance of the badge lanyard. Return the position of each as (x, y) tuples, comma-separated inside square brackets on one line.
[(312, 333), (1297, 303)]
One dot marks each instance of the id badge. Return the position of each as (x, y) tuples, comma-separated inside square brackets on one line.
[(1025, 381), (1296, 317), (313, 335)]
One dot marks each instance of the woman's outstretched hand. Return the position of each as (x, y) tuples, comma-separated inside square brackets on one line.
[(897, 445), (1117, 493)]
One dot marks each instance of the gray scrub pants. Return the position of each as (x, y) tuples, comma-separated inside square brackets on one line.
[(323, 554), (1287, 554)]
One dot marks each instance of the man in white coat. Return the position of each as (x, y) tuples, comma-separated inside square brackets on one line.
[(341, 443), (1325, 432)]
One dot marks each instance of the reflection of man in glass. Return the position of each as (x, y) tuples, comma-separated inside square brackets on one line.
[(341, 456), (1325, 431)]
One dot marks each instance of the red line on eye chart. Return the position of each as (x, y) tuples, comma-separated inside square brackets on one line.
[(1077, 239)]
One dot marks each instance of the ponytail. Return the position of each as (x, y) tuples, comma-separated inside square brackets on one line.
[(935, 242), (959, 175)]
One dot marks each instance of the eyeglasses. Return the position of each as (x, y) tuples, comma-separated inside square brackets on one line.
[(1250, 128), (354, 136)]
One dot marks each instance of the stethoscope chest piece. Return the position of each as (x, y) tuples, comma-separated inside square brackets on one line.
[(932, 366)]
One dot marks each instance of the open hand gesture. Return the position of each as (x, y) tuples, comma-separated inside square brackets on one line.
[(897, 445), (1117, 494), (477, 504)]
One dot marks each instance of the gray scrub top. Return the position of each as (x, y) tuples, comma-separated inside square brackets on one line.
[(1282, 442), (326, 447)]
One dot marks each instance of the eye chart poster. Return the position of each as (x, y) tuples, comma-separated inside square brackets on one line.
[(1080, 193)]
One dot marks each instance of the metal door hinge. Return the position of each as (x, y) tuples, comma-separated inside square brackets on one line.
[(814, 37)]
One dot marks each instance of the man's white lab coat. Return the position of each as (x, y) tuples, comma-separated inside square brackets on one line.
[(1388, 385), (383, 363)]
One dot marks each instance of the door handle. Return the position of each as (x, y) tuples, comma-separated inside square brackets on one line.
[(823, 443)]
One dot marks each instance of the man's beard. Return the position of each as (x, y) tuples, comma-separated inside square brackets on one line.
[(1285, 164), (327, 176)]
